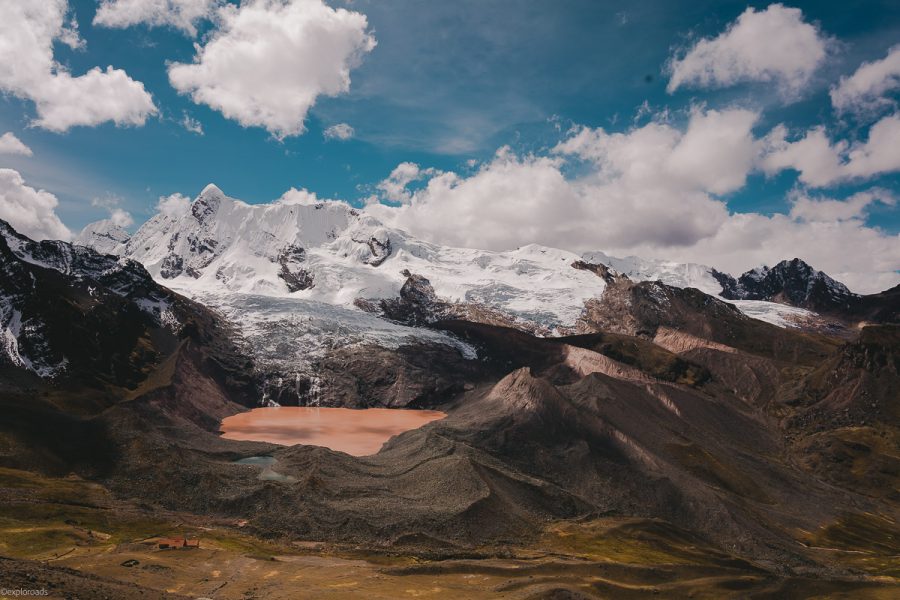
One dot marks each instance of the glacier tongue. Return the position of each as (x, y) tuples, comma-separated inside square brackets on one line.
[(782, 315), (289, 334)]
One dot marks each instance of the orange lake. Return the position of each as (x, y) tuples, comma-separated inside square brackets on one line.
[(359, 432)]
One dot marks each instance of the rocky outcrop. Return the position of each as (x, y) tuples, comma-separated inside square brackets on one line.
[(291, 259), (171, 267), (584, 362), (680, 342), (380, 249), (644, 309), (600, 270), (418, 375), (419, 305), (207, 203)]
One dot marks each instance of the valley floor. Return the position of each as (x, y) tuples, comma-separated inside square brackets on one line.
[(72, 538)]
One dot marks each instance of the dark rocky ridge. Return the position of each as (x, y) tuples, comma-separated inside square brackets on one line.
[(796, 283), (791, 282), (100, 330), (600, 270), (418, 305)]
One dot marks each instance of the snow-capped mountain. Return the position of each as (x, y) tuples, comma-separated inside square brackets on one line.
[(329, 252), (291, 275), (790, 281), (103, 236), (303, 278), (761, 302)]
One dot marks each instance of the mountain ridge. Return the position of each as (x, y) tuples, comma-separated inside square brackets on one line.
[(333, 277), (320, 250)]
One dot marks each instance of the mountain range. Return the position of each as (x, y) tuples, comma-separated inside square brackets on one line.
[(610, 399), (302, 270)]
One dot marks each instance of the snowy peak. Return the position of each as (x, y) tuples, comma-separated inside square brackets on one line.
[(103, 236), (791, 282), (226, 242), (211, 190), (208, 202), (682, 275), (327, 251)]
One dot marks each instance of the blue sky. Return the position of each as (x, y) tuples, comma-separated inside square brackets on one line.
[(449, 83)]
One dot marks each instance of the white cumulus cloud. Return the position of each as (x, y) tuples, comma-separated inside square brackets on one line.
[(121, 217), (713, 154), (395, 187), (62, 100), (805, 207), (269, 60), (339, 131), (509, 202), (822, 163), (180, 14), (652, 191), (771, 45), (865, 90), (118, 215), (653, 184), (31, 212), (10, 144), (173, 205)]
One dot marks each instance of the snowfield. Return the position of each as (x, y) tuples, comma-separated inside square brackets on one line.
[(224, 246)]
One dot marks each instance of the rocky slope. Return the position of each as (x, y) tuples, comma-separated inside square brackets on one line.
[(83, 331), (68, 312), (538, 430)]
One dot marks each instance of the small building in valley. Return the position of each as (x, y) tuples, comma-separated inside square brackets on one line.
[(176, 543)]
